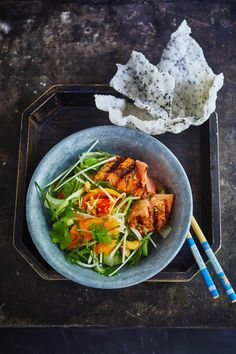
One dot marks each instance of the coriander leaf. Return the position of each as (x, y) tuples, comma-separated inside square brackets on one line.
[(100, 233), (67, 216), (60, 234)]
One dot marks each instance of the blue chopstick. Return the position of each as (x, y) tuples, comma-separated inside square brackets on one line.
[(203, 269), (214, 261)]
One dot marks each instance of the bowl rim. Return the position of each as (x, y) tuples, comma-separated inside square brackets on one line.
[(47, 256)]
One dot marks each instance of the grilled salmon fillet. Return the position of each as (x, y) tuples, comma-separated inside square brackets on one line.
[(130, 176), (141, 213), (127, 175), (152, 213)]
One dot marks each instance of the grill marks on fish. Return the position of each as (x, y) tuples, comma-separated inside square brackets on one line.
[(127, 170), (130, 176), (152, 213), (116, 164), (123, 175), (141, 214)]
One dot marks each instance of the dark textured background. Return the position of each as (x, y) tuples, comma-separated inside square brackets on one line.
[(43, 43)]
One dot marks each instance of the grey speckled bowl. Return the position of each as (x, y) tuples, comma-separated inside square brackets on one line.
[(162, 163)]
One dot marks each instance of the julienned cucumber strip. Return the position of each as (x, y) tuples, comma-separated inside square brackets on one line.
[(54, 201), (81, 172), (45, 200), (70, 169), (165, 230), (63, 205), (112, 261)]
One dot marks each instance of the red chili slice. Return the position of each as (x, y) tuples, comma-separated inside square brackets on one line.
[(60, 195)]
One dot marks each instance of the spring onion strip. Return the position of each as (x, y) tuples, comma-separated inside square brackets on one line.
[(77, 194), (87, 243), (85, 215), (86, 265), (153, 243), (57, 178), (116, 248), (81, 159), (66, 172), (90, 179), (80, 180), (124, 246), (123, 195), (123, 203), (86, 169), (107, 194), (127, 259), (90, 258), (83, 230), (100, 258), (128, 206), (100, 187), (95, 153), (95, 203), (137, 233)]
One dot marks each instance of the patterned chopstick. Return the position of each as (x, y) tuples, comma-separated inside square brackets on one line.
[(214, 261), (204, 272)]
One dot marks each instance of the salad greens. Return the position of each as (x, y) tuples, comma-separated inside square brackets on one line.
[(89, 219)]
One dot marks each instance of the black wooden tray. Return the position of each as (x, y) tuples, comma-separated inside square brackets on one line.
[(63, 110)]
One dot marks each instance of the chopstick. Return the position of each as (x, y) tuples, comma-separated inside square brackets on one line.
[(203, 269), (214, 261)]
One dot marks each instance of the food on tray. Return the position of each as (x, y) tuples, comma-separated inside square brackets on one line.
[(104, 210), (180, 91), (127, 175)]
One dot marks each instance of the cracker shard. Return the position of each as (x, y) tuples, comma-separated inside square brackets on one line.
[(195, 83), (145, 84), (180, 91)]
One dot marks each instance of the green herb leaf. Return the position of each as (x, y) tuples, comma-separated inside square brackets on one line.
[(100, 233), (44, 198), (90, 161), (70, 188), (60, 234), (105, 270), (76, 255), (136, 257)]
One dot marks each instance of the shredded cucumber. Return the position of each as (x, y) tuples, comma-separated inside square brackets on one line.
[(112, 260), (165, 230), (72, 197)]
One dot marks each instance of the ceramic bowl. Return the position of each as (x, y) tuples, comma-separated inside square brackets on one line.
[(162, 164)]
